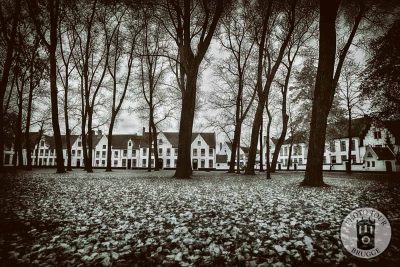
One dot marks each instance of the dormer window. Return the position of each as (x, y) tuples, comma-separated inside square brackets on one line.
[(377, 135), (129, 143), (160, 141), (199, 143), (42, 143)]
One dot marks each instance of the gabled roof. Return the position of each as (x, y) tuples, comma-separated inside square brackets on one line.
[(120, 141), (383, 153), (33, 139), (72, 139), (221, 158), (173, 138)]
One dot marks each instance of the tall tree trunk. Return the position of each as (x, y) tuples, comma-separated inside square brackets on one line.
[(290, 156), (235, 148), (268, 168), (109, 142), (89, 167), (348, 166), (323, 94), (238, 155), (68, 131), (6, 73), (281, 139), (254, 137), (28, 125), (261, 147), (155, 145), (184, 166), (19, 159), (150, 145)]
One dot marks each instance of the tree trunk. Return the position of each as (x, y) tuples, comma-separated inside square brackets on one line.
[(155, 145), (324, 91), (261, 148), (109, 142), (27, 127), (89, 167), (68, 131), (5, 75), (19, 159), (184, 166), (348, 165), (150, 138), (238, 157), (280, 141), (254, 137), (290, 156), (235, 148), (268, 166)]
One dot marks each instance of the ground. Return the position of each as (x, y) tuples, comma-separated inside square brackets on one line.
[(128, 217)]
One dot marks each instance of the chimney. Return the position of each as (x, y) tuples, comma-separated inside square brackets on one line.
[(144, 130)]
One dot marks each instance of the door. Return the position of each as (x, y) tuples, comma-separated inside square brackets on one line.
[(160, 164), (129, 163), (194, 163), (78, 163), (279, 166), (388, 166)]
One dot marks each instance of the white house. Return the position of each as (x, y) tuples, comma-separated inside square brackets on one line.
[(379, 159), (226, 149)]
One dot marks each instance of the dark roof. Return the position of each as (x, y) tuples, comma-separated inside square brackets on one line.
[(244, 148), (383, 153), (173, 138), (222, 159), (120, 141), (72, 139), (359, 128), (33, 140)]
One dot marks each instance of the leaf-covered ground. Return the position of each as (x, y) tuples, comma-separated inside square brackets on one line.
[(128, 218)]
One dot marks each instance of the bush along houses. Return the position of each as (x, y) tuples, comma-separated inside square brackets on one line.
[(128, 151)]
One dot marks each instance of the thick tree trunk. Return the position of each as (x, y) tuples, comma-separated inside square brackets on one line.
[(150, 138), (19, 159), (27, 128), (89, 166), (68, 131), (235, 148), (238, 156), (290, 156), (184, 166), (109, 143), (281, 139), (323, 94), (155, 145), (254, 137)]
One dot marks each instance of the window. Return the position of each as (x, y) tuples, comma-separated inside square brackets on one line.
[(50, 161), (79, 143), (353, 145), (129, 143), (41, 152), (46, 152), (203, 152), (210, 163), (42, 143), (367, 163), (134, 163), (133, 152), (168, 152), (333, 159), (79, 152), (123, 162), (343, 158), (194, 151), (372, 163), (160, 141), (97, 154), (103, 154), (152, 162), (144, 163), (44, 161), (168, 163), (115, 163), (377, 135), (285, 151), (160, 151), (73, 152), (300, 161), (144, 151), (210, 152), (176, 152), (125, 152), (332, 147), (353, 159), (280, 152), (324, 159), (199, 143), (103, 163), (286, 162), (97, 163), (342, 145), (115, 154), (203, 163), (104, 146)]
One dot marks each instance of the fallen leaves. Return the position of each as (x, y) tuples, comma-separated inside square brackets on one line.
[(125, 217)]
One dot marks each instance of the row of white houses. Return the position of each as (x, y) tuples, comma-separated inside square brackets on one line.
[(128, 151), (374, 148)]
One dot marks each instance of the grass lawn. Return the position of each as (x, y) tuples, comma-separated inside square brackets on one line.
[(127, 217)]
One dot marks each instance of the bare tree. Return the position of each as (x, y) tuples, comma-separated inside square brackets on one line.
[(192, 26), (50, 10), (8, 30), (118, 51)]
